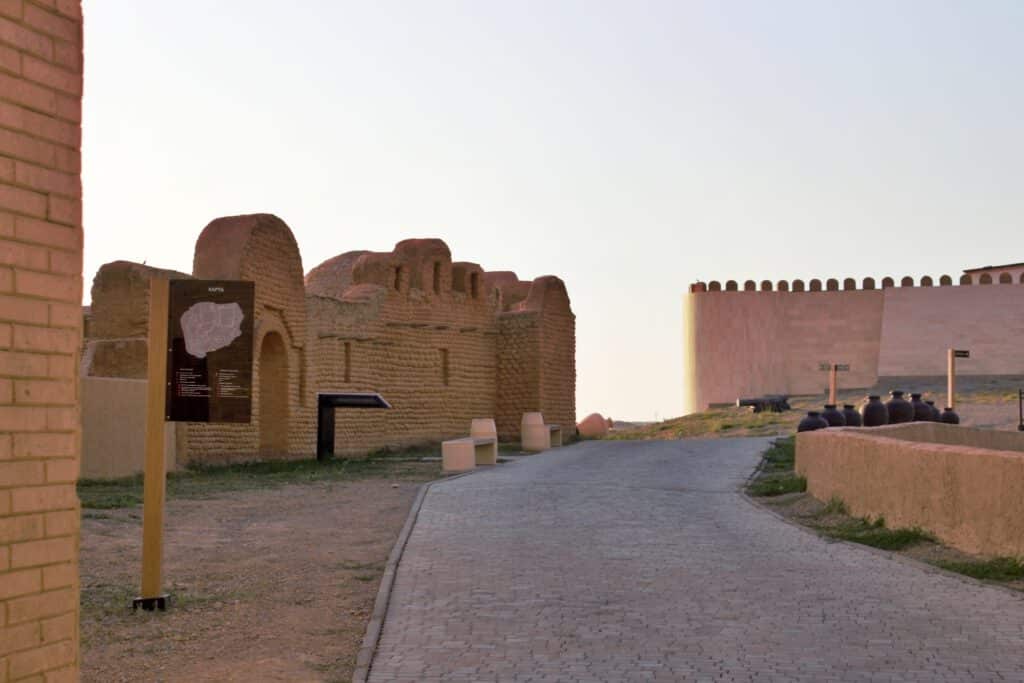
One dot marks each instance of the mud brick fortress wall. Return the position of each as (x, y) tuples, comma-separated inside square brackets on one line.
[(444, 342), (40, 334), (765, 338)]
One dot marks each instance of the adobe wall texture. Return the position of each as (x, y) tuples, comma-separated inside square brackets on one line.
[(40, 335), (925, 475), (444, 342), (771, 339)]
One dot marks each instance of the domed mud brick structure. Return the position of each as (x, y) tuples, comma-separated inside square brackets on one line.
[(443, 341)]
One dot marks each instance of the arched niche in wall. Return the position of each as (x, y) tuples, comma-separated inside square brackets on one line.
[(986, 279), (927, 281), (849, 284), (1005, 279), (815, 285), (731, 286), (783, 286), (965, 279), (907, 281), (869, 283), (714, 286), (798, 285), (698, 287), (888, 282), (749, 286), (766, 285), (273, 398), (832, 284), (945, 281)]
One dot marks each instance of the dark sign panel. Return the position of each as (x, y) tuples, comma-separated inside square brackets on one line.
[(961, 354), (209, 351)]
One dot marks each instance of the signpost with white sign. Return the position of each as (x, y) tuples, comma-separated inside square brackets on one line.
[(953, 354), (833, 378), (199, 370)]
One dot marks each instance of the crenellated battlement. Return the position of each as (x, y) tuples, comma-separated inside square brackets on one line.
[(850, 284), (751, 345)]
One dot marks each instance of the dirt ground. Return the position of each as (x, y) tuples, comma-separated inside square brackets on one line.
[(267, 584)]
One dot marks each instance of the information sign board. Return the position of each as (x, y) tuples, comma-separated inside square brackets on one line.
[(209, 351)]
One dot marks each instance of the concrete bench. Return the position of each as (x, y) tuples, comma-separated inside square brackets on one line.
[(537, 436), (479, 448)]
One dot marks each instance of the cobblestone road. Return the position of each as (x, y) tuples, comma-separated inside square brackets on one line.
[(617, 561)]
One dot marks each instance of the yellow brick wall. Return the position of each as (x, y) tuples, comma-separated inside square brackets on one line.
[(379, 322), (40, 336)]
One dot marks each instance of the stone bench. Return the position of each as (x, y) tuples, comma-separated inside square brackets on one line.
[(537, 436), (479, 448)]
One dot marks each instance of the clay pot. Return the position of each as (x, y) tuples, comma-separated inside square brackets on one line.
[(851, 415), (874, 412), (936, 413), (950, 417), (922, 413), (813, 421), (833, 416), (899, 408)]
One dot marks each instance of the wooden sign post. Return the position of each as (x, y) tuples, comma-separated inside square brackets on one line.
[(833, 378), (154, 484), (200, 370), (953, 354)]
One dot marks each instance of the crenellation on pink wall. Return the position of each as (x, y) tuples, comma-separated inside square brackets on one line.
[(750, 342)]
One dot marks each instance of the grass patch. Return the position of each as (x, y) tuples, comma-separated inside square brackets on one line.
[(717, 421), (876, 535), (835, 506), (777, 485), (776, 476), (203, 481), (996, 569), (781, 456)]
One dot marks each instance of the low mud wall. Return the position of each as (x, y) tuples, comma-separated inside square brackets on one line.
[(114, 428), (965, 486)]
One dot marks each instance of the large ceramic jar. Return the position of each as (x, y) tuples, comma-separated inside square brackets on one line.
[(922, 413), (813, 421), (899, 408), (950, 417), (936, 413), (874, 413), (852, 416), (833, 416)]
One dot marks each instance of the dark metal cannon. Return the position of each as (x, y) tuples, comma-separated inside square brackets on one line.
[(774, 403)]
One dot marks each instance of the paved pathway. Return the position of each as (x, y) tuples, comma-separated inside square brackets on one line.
[(616, 561)]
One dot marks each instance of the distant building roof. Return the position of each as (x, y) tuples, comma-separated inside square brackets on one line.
[(1008, 265)]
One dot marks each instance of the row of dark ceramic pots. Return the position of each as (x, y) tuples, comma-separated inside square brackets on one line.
[(874, 413)]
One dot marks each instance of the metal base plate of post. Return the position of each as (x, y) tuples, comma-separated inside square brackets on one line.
[(150, 604)]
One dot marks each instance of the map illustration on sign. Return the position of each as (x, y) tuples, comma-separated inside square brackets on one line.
[(210, 326)]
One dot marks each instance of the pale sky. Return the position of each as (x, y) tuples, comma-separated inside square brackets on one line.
[(628, 147)]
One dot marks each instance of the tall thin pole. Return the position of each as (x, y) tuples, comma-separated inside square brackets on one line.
[(951, 379), (833, 382), (1020, 409), (154, 485)]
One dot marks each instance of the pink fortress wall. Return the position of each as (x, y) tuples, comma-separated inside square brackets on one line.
[(750, 343), (920, 324)]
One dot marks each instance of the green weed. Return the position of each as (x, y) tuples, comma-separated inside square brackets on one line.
[(777, 485), (996, 569), (876, 535)]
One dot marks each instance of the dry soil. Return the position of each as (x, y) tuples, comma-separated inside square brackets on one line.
[(267, 584)]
